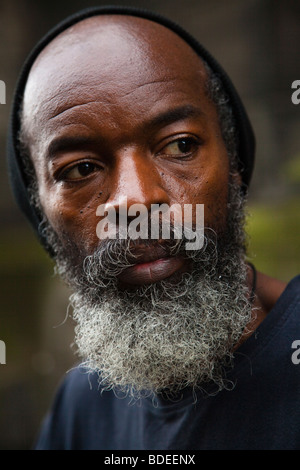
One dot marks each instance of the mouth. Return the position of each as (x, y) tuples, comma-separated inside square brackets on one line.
[(152, 266)]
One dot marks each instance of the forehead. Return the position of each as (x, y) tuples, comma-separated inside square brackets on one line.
[(106, 58), (109, 41)]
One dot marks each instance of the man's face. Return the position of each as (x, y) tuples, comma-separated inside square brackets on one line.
[(121, 116), (117, 110)]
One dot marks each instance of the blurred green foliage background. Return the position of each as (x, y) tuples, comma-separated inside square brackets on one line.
[(274, 241), (274, 229)]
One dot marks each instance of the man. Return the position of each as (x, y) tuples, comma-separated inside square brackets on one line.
[(181, 349)]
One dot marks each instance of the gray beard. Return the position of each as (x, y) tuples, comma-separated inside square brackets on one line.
[(166, 336)]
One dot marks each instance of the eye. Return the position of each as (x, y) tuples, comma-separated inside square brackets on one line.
[(81, 170), (184, 146)]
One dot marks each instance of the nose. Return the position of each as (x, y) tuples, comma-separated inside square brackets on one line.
[(136, 180)]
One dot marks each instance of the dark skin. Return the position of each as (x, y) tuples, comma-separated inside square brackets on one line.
[(123, 112)]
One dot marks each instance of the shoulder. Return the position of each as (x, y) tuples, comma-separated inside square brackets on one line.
[(77, 395), (274, 295), (270, 291), (77, 382), (80, 393)]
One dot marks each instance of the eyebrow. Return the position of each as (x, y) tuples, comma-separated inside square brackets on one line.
[(176, 114), (69, 143)]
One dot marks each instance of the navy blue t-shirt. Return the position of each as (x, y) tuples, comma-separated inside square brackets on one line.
[(261, 412)]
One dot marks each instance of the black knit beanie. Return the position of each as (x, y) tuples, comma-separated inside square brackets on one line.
[(17, 174)]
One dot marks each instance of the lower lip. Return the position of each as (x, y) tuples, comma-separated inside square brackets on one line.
[(148, 273)]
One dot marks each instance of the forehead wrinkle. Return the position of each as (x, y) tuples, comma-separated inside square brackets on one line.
[(151, 82), (105, 99), (70, 108)]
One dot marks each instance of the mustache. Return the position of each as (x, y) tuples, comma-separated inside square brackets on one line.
[(113, 256)]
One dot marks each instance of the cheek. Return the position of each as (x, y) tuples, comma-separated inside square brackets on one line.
[(72, 217), (214, 188), (207, 186), (214, 196)]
